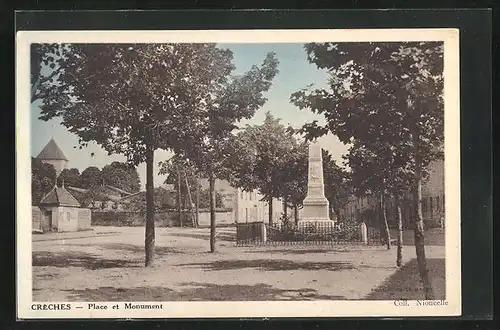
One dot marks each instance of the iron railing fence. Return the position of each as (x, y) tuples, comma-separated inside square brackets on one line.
[(259, 233)]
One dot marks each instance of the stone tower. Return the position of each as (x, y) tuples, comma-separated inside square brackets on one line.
[(52, 154)]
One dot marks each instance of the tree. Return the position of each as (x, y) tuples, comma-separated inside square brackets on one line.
[(205, 199), (292, 177), (70, 177), (208, 148), (45, 69), (186, 180), (385, 93), (43, 178), (336, 183), (133, 99), (122, 176), (261, 153), (91, 178), (164, 200)]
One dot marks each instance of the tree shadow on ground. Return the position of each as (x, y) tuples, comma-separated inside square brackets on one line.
[(223, 236), (406, 283), (159, 250), (79, 259), (433, 236), (199, 292), (270, 265)]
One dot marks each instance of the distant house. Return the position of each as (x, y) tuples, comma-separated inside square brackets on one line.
[(104, 197), (246, 206), (60, 211), (363, 208)]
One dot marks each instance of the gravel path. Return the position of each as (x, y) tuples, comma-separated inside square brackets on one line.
[(106, 264)]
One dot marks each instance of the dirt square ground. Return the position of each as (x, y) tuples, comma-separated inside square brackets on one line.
[(106, 264)]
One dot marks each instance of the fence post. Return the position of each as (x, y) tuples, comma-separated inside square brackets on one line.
[(364, 233), (263, 234)]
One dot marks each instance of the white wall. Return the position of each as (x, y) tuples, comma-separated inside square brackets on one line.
[(67, 218), (221, 218), (63, 218)]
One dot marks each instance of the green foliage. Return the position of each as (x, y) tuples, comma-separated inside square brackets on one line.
[(292, 176), (45, 62), (386, 100), (42, 179), (167, 200), (134, 99), (272, 160), (70, 177), (260, 155), (117, 174), (205, 200), (163, 200), (125, 97), (91, 177), (209, 148), (336, 181), (122, 176), (176, 166)]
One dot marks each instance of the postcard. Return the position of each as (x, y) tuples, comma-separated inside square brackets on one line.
[(238, 173)]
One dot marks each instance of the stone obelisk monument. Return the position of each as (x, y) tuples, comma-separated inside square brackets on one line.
[(315, 206)]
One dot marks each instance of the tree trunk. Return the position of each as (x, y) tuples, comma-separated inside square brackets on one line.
[(179, 196), (211, 180), (296, 214), (190, 201), (336, 210), (380, 221), (386, 224), (150, 215), (285, 207), (197, 203), (399, 254), (270, 208), (419, 237)]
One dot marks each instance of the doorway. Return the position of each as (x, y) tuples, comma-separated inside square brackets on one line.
[(47, 224)]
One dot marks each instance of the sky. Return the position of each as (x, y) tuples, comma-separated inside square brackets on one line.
[(295, 73)]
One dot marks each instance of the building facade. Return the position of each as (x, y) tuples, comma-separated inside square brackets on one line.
[(60, 211), (433, 202), (246, 206), (104, 197)]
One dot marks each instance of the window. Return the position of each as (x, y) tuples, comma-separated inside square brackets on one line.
[(430, 204), (241, 196), (250, 195)]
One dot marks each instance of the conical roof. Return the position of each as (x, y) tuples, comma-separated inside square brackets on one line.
[(59, 196), (51, 152)]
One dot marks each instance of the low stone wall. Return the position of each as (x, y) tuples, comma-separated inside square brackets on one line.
[(162, 219), (84, 219), (222, 218)]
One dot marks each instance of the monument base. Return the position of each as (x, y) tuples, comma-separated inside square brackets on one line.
[(316, 224)]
